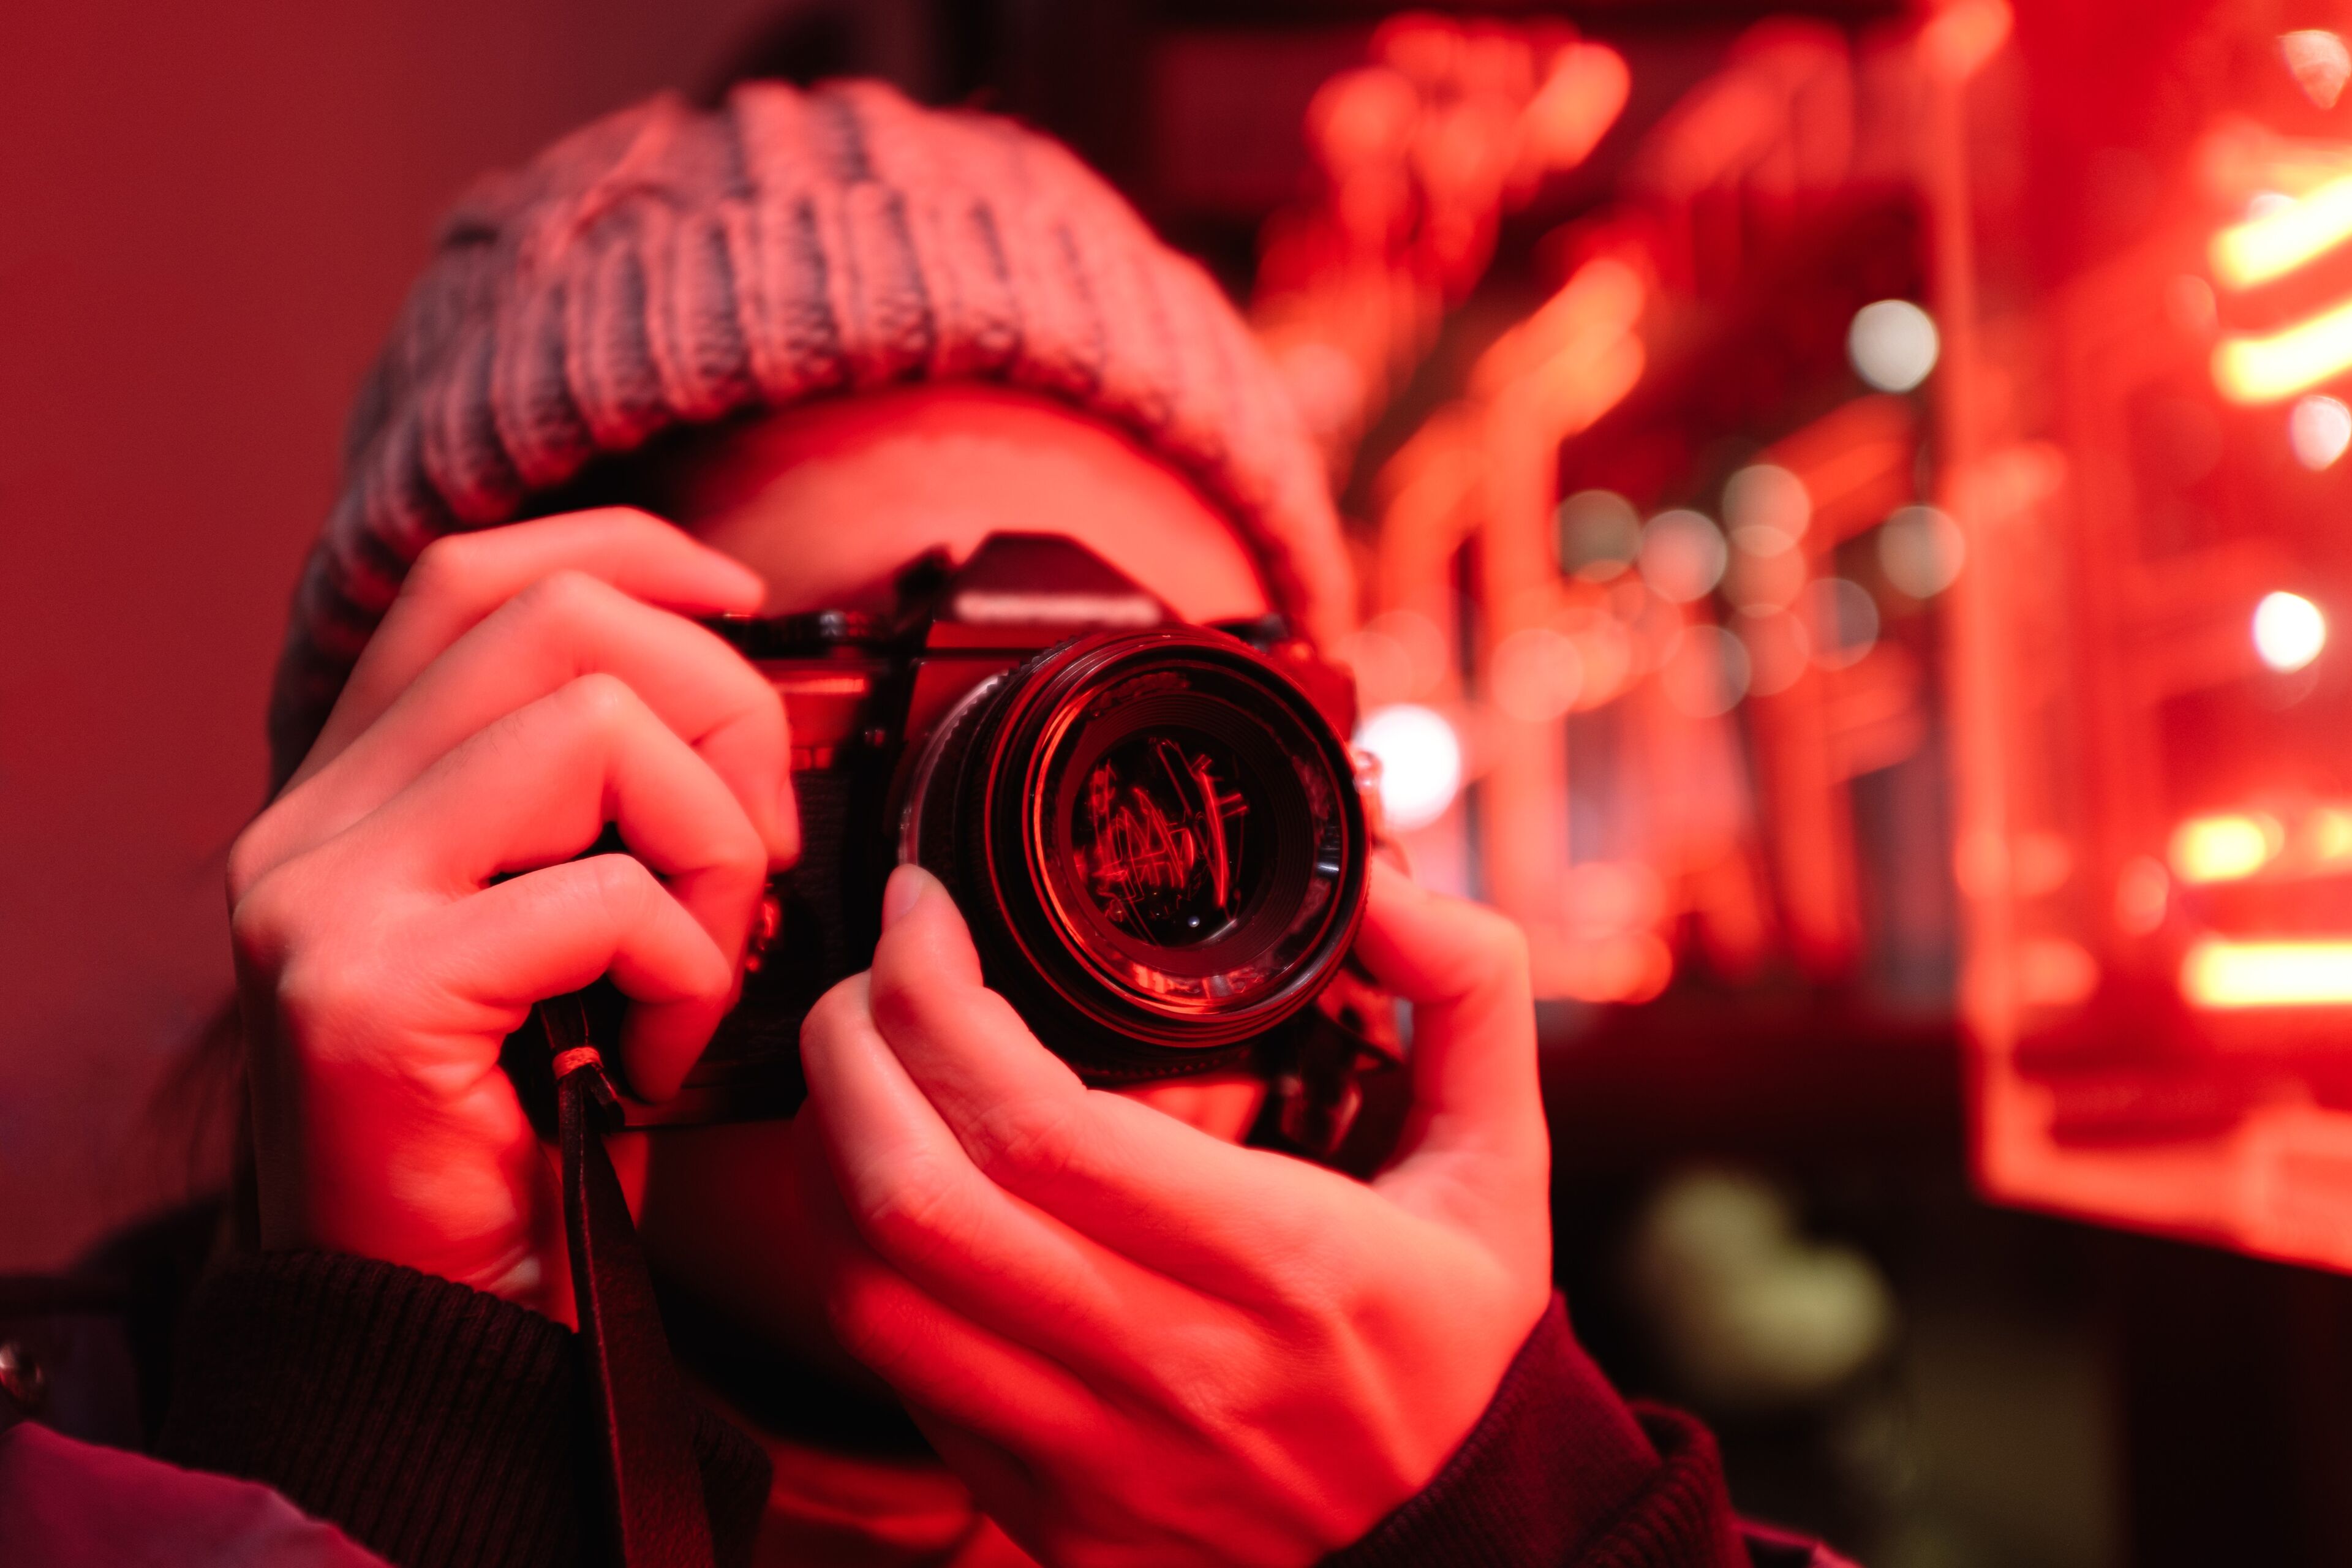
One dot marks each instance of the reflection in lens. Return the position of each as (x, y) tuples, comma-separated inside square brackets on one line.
[(1161, 839)]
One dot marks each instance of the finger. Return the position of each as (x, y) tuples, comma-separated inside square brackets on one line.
[(538, 785), (560, 627), (1145, 1186), (461, 578), (1476, 1119), (561, 927), (938, 1360), (918, 1203)]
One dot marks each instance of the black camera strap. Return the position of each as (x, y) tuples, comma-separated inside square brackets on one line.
[(655, 1513)]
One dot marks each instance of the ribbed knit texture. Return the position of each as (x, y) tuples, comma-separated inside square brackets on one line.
[(439, 1426), (1558, 1472), (668, 266)]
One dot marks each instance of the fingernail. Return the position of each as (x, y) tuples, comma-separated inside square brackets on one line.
[(901, 893)]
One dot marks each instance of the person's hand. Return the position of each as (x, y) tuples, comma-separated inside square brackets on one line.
[(401, 905), (1140, 1344)]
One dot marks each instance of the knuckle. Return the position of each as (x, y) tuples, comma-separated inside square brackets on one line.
[(443, 568), (621, 886), (251, 856), (600, 700), (322, 994), (1035, 1138), (258, 922), (839, 1009), (907, 1213), (562, 598)]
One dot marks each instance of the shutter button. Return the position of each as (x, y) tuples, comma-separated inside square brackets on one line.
[(22, 1378)]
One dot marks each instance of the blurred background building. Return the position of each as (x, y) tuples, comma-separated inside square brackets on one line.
[(1851, 503)]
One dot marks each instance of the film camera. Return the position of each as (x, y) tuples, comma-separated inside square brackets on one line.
[(1156, 832)]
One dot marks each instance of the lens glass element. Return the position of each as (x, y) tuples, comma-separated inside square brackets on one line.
[(1164, 841)]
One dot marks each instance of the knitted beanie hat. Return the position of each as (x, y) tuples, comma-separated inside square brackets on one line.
[(666, 266)]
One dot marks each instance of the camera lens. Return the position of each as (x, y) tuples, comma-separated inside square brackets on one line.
[(1158, 843)]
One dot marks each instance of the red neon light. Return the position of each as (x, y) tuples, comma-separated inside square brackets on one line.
[(2232, 975)]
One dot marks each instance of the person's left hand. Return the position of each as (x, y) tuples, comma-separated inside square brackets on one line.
[(1137, 1344)]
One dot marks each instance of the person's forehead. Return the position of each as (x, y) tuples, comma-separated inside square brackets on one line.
[(829, 501)]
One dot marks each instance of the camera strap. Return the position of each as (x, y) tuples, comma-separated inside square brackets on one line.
[(656, 1514)]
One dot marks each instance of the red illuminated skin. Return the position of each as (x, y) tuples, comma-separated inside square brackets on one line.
[(1136, 1341)]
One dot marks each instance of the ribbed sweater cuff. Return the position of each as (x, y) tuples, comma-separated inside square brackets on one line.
[(1558, 1472), (437, 1426)]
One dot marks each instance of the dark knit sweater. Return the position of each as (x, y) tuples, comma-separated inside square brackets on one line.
[(438, 1425)]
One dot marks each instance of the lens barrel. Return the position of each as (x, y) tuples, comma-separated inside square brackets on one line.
[(1156, 840)]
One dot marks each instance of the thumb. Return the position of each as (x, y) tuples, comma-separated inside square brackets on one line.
[(1476, 1130)]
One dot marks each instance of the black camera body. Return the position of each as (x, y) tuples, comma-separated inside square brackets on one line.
[(1157, 832)]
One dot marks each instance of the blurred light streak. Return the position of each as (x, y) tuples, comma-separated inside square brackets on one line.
[(2264, 370), (1962, 37), (2290, 235), (2223, 848), (2288, 631), (1777, 649), (1706, 671), (2231, 974), (2143, 892)]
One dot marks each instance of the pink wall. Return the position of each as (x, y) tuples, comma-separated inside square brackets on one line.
[(207, 216)]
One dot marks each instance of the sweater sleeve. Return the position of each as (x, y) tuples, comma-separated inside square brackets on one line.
[(430, 1421), (1561, 1473)]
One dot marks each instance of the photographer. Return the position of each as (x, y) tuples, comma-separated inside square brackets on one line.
[(822, 335)]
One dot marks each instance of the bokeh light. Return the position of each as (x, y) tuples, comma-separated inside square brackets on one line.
[(2224, 848), (1396, 656), (1921, 550), (1421, 762), (1842, 618), (1600, 533), (2318, 431), (2319, 63), (1893, 345), (2289, 631), (1682, 556), (1764, 501), (1538, 675)]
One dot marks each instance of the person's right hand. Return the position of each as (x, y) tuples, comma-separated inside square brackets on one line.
[(415, 889)]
